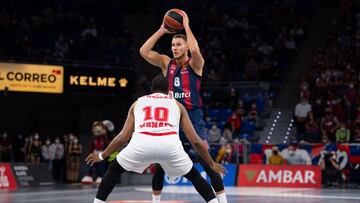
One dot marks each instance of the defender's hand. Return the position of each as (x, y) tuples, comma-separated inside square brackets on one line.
[(218, 168), (92, 159)]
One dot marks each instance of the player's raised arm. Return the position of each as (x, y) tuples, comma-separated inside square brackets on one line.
[(196, 142), (197, 61), (123, 137), (151, 56)]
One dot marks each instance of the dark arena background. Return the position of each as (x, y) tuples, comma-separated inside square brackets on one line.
[(280, 93)]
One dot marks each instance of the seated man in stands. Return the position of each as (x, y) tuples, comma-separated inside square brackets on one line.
[(296, 156), (329, 124), (276, 158)]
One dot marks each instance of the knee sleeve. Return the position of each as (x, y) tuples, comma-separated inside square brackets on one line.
[(200, 185), (158, 178), (216, 180), (109, 180)]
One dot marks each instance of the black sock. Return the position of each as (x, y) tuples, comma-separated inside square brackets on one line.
[(200, 184), (216, 180), (158, 178), (109, 180)]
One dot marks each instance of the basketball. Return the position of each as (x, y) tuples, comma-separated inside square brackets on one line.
[(173, 20)]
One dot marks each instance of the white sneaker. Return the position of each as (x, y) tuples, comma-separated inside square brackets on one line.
[(87, 180), (98, 180)]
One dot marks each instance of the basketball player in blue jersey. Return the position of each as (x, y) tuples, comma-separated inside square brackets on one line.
[(184, 76)]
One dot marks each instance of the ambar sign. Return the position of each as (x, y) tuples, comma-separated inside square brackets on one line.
[(279, 176), (31, 78)]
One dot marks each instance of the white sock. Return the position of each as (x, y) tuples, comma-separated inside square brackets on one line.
[(98, 201), (156, 198), (214, 201), (222, 198)]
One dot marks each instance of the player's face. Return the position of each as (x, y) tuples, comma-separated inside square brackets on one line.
[(179, 48)]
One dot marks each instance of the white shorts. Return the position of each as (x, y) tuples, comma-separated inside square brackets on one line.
[(144, 150)]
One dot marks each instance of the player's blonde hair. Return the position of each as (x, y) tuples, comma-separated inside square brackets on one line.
[(182, 36)]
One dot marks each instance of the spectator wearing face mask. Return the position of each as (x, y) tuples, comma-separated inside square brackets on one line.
[(329, 124), (35, 149), (227, 134), (75, 152), (58, 159), (275, 158), (312, 129), (301, 112), (214, 134), (235, 123), (48, 153), (295, 156)]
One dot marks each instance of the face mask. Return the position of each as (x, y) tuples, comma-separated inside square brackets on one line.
[(291, 152), (213, 127)]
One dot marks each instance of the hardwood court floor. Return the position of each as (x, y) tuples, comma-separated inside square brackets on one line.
[(179, 194)]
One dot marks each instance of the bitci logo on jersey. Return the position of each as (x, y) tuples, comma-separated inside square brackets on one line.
[(179, 95)]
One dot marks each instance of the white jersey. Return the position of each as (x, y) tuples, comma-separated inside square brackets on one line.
[(156, 137), (157, 115)]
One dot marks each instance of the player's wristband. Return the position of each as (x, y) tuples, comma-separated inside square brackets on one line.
[(100, 156)]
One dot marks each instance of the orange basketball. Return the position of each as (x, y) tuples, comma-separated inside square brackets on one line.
[(173, 20)]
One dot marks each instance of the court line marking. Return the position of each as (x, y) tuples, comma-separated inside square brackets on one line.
[(276, 192)]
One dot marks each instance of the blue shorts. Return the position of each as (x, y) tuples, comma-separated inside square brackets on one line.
[(196, 117)]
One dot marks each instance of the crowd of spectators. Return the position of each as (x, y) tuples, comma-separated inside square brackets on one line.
[(56, 152), (329, 110), (63, 31)]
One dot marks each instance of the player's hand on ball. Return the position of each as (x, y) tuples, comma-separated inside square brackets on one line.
[(92, 158), (218, 168), (185, 18), (164, 30)]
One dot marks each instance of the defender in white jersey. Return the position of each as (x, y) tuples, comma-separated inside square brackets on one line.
[(155, 138), (153, 126)]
